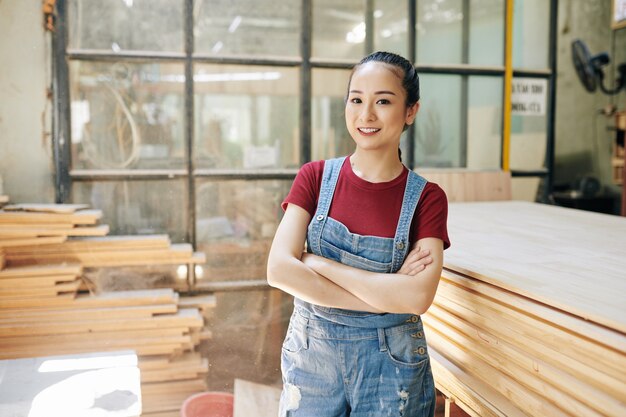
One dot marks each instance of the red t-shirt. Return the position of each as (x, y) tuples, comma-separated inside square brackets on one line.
[(372, 209)]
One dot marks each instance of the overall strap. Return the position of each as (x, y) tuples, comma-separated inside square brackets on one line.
[(414, 186), (332, 167)]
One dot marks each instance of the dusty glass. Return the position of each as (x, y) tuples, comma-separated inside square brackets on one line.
[(338, 29), (391, 26), (137, 207), (329, 136), (235, 225), (247, 27), (248, 329), (486, 32), (126, 25), (438, 123), (439, 32), (531, 26), (127, 115), (484, 122), (246, 117)]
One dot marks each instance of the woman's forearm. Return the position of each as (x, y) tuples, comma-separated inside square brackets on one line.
[(295, 278), (393, 293)]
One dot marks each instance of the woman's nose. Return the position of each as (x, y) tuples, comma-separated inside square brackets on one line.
[(367, 113)]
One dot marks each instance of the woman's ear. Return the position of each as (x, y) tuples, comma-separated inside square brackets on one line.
[(411, 112)]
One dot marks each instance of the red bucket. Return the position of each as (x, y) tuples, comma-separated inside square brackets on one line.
[(208, 404)]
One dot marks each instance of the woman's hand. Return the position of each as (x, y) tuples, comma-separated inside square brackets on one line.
[(415, 261)]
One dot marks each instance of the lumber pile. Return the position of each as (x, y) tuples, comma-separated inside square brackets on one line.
[(44, 251), (529, 317)]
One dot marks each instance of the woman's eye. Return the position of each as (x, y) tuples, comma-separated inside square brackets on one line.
[(383, 101), (356, 100)]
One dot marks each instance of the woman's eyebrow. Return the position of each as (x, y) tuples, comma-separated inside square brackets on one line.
[(376, 92)]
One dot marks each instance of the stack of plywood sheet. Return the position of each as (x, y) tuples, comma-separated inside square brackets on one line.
[(43, 250), (530, 314)]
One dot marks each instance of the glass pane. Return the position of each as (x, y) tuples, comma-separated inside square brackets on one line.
[(528, 142), (248, 329), (531, 26), (486, 40), (439, 32), (264, 27), (236, 221), (329, 135), (126, 25), (484, 123), (127, 115), (391, 26), (246, 117), (438, 123), (338, 29), (137, 207)]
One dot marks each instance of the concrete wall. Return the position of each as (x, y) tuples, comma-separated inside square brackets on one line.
[(583, 141), (25, 111)]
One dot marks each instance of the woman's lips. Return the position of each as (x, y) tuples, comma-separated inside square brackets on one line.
[(368, 131)]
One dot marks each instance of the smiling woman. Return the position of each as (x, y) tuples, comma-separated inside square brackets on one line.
[(385, 230)]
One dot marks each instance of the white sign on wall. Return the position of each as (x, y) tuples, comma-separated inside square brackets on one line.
[(529, 96)]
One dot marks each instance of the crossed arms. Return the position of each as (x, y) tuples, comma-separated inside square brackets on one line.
[(324, 282)]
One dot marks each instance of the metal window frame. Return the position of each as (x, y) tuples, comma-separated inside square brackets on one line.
[(65, 175)]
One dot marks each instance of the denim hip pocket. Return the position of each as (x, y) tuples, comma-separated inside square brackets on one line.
[(297, 337), (406, 345)]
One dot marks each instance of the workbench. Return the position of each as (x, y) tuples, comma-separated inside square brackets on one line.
[(530, 314), (81, 385)]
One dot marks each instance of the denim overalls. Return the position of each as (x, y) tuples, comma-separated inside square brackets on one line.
[(338, 362)]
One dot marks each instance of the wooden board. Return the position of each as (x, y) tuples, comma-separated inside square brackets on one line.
[(41, 270), (87, 385), (52, 315), (43, 291), (175, 254), (22, 218), (560, 319), (100, 244), (31, 241), (169, 396), (510, 357), (569, 259), (491, 322), (182, 319), (24, 232), (111, 299), (473, 396), (46, 208), (469, 185)]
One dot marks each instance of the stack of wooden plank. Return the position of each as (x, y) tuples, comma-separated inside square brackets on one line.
[(43, 250), (530, 316), (25, 228)]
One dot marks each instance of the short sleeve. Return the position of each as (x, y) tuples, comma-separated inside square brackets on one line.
[(431, 217), (306, 187)]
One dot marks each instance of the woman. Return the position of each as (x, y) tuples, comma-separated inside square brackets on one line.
[(355, 344)]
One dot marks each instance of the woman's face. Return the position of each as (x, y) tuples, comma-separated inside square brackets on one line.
[(376, 110)]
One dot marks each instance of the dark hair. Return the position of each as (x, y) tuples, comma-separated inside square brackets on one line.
[(403, 69)]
